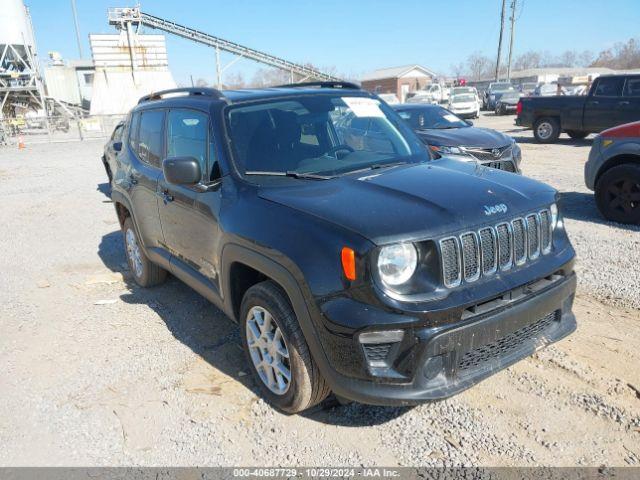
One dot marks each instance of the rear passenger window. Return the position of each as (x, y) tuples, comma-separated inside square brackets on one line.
[(632, 87), (609, 87), (150, 137), (133, 131), (187, 135)]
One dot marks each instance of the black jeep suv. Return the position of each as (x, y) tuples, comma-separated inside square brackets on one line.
[(353, 263)]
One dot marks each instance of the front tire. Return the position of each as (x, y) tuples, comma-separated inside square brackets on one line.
[(546, 130), (145, 272), (618, 194), (277, 352)]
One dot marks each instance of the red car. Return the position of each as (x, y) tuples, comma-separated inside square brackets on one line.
[(613, 172)]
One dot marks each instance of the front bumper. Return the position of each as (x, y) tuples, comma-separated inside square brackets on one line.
[(439, 361)]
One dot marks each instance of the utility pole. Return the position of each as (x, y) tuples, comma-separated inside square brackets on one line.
[(75, 21), (504, 7), (513, 26)]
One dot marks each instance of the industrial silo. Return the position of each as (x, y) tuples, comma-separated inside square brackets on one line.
[(20, 86)]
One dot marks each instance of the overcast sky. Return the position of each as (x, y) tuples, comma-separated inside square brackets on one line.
[(354, 36)]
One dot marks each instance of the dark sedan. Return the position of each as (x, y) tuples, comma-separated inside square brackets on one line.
[(508, 103), (111, 149), (447, 134)]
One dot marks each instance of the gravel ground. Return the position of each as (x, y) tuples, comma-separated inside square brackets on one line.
[(99, 372)]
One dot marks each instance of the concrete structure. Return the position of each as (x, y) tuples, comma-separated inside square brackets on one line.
[(20, 83), (127, 66), (398, 80), (70, 81)]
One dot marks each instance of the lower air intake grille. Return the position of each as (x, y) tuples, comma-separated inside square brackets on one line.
[(506, 345), (377, 352)]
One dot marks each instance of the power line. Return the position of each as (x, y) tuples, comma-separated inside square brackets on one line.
[(504, 5), (513, 26)]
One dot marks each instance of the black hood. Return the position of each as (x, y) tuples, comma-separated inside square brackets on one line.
[(464, 137), (414, 201)]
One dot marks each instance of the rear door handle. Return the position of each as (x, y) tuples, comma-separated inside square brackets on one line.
[(623, 103)]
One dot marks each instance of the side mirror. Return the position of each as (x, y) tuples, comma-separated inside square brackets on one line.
[(469, 122), (117, 146), (181, 170)]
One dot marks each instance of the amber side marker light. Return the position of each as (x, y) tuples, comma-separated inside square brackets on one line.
[(349, 263)]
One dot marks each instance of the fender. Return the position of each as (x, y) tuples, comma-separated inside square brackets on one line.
[(618, 154), (278, 273), (156, 255)]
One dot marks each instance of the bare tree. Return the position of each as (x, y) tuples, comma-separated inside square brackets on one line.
[(233, 81), (458, 69), (201, 83), (527, 60), (479, 66)]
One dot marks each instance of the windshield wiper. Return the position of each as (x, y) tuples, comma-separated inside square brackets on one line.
[(375, 166), (306, 176)]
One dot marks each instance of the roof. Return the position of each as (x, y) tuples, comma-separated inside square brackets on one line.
[(264, 93), (394, 72), (249, 94)]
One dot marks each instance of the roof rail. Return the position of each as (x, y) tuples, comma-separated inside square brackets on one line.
[(333, 84), (202, 91)]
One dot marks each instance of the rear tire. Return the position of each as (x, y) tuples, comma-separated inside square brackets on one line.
[(618, 194), (305, 386), (546, 130), (577, 134), (145, 272)]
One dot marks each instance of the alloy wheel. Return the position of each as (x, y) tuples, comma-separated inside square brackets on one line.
[(133, 252), (624, 196), (545, 129), (268, 350)]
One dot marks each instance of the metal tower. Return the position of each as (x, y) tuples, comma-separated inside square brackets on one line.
[(20, 82), (125, 18)]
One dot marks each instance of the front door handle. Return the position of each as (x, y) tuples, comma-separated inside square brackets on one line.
[(133, 180)]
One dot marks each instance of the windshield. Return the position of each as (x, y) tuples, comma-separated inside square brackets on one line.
[(463, 98), (459, 90), (501, 87), (431, 117), (319, 134), (511, 96)]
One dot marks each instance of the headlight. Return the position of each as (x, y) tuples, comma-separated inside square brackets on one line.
[(396, 263), (447, 150), (554, 216), (516, 152)]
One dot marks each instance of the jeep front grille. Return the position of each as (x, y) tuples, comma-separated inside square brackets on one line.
[(489, 154), (508, 244)]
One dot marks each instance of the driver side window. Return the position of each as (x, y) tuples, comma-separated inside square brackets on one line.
[(188, 136)]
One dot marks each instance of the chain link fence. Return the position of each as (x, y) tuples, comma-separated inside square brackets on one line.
[(31, 130)]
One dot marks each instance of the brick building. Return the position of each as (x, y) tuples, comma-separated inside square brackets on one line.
[(398, 80)]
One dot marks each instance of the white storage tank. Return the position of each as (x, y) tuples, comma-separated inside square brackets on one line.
[(15, 24)]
